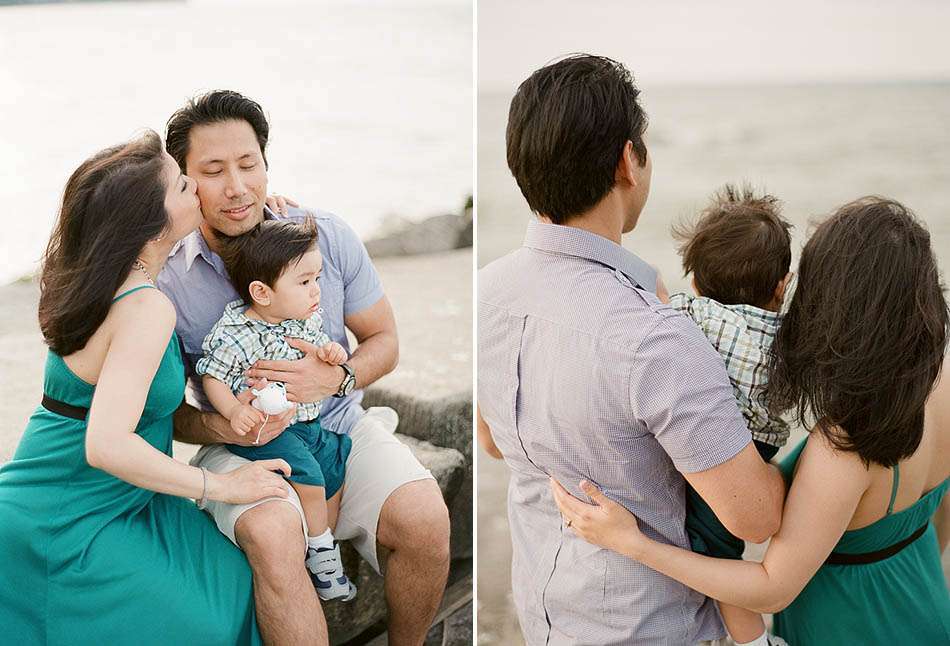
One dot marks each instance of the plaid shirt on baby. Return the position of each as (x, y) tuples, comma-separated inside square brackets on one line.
[(236, 342), (743, 335)]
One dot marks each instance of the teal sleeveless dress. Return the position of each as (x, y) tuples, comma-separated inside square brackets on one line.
[(901, 599), (91, 559)]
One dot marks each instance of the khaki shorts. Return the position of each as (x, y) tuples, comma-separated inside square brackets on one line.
[(378, 464)]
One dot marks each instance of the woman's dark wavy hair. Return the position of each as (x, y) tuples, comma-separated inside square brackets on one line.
[(866, 332), (112, 205)]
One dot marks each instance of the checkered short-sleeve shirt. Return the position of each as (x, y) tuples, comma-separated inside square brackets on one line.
[(237, 341), (742, 335)]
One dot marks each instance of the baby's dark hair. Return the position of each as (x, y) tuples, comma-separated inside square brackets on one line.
[(265, 252), (738, 249)]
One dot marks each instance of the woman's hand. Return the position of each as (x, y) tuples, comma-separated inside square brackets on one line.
[(250, 482), (604, 523), (279, 203)]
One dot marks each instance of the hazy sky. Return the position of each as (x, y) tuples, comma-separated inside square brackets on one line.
[(736, 41)]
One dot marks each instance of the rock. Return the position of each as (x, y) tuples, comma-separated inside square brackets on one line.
[(435, 234), (447, 422), (348, 620), (457, 630), (434, 636)]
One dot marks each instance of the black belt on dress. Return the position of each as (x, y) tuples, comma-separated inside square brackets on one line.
[(837, 558), (64, 409)]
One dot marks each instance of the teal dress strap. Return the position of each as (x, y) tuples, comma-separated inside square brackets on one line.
[(896, 483), (129, 291)]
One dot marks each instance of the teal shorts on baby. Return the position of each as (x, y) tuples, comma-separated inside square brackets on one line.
[(316, 456)]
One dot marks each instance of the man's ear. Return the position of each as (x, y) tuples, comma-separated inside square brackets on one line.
[(779, 295), (627, 167), (260, 293)]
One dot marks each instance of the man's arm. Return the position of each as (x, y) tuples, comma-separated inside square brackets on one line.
[(378, 351), (681, 393), (745, 493), (310, 379), (193, 426)]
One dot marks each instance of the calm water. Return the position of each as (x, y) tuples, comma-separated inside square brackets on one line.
[(814, 147), (370, 103)]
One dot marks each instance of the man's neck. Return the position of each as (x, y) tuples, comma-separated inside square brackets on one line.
[(210, 238), (604, 219)]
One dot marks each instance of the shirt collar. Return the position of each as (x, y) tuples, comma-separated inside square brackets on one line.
[(572, 241), (194, 245)]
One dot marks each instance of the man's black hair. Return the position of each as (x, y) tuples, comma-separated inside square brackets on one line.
[(567, 128), (213, 107)]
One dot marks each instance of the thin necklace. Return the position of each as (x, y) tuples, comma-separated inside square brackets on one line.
[(138, 264)]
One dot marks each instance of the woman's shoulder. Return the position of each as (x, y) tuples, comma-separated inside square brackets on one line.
[(821, 456), (147, 310)]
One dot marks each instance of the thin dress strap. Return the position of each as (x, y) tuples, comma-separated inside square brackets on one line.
[(134, 289), (897, 481)]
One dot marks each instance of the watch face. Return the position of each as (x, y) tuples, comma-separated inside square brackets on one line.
[(348, 386)]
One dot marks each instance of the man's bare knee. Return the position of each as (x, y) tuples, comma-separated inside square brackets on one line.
[(270, 534), (414, 518)]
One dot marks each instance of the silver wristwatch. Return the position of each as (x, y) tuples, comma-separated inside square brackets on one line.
[(348, 383)]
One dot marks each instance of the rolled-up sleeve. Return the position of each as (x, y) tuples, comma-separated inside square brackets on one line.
[(680, 391)]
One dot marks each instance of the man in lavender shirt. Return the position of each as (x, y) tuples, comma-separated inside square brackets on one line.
[(584, 374), (391, 505)]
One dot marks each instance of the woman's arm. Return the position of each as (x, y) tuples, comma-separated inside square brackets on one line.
[(826, 491), (144, 323)]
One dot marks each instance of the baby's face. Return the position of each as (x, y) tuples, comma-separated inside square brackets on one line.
[(296, 294)]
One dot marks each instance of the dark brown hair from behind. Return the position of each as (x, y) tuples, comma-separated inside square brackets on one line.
[(738, 249), (112, 205), (865, 335), (265, 252), (567, 128)]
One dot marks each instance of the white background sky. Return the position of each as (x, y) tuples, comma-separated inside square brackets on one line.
[(733, 41)]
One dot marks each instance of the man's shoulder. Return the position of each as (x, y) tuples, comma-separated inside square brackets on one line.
[(328, 223)]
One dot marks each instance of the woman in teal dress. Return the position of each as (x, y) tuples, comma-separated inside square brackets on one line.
[(860, 352), (100, 542)]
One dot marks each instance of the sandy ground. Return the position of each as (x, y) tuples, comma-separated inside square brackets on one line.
[(431, 296)]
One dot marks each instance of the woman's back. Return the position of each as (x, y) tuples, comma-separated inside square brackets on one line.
[(884, 582), (925, 470)]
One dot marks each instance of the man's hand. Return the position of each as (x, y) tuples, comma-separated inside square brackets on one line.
[(333, 353), (308, 379), (279, 203)]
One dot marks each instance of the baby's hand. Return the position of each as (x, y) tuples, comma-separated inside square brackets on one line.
[(245, 418), (332, 353)]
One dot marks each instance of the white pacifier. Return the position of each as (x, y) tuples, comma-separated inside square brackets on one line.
[(270, 400)]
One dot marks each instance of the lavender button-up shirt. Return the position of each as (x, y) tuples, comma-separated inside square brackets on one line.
[(583, 373)]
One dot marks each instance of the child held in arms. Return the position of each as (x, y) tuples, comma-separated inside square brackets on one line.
[(276, 268), (739, 253)]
